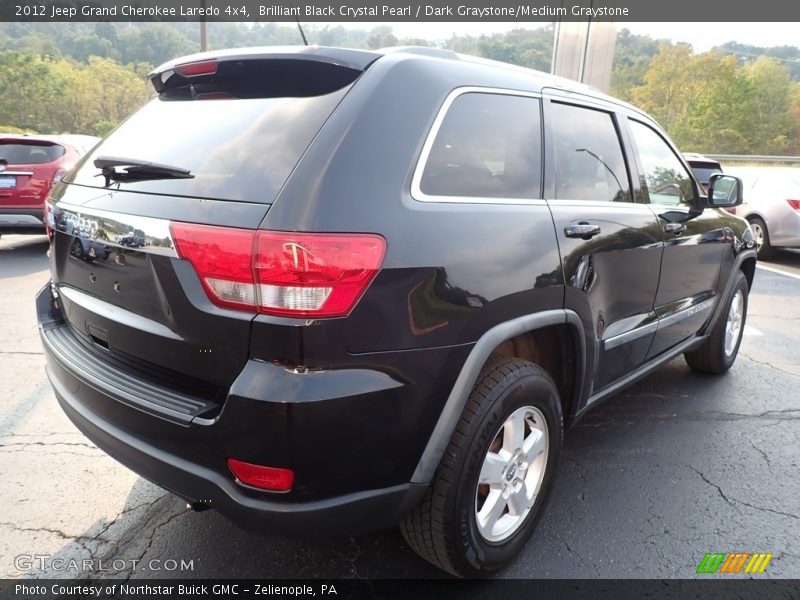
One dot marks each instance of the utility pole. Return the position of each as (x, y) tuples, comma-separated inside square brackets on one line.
[(203, 30)]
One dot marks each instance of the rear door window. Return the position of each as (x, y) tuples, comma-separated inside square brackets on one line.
[(487, 146), (589, 161), (29, 153)]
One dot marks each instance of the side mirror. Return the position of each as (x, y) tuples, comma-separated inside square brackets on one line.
[(724, 191)]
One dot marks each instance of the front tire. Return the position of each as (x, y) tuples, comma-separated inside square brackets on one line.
[(719, 351), (496, 474)]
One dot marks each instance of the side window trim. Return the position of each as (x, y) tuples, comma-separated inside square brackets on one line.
[(416, 180), (675, 152), (635, 169), (549, 149)]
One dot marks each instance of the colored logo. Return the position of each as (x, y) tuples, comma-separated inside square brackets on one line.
[(734, 562)]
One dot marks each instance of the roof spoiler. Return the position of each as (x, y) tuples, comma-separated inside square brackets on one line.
[(197, 67)]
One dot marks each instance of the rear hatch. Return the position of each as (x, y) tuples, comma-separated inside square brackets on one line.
[(213, 148), (27, 168)]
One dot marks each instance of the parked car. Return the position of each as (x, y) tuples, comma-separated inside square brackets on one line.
[(772, 206), (373, 288), (29, 166), (702, 167)]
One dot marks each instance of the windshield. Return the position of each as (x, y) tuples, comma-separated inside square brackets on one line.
[(236, 149), (705, 173)]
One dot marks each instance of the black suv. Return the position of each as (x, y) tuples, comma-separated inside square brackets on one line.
[(373, 288)]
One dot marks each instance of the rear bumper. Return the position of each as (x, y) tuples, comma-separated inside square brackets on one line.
[(187, 456), (350, 514), (17, 220)]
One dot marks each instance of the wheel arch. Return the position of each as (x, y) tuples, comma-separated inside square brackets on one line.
[(748, 267), (501, 340)]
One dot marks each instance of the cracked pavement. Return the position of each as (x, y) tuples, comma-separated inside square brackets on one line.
[(676, 466)]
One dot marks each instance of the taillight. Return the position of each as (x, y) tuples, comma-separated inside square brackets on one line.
[(59, 175), (795, 204), (314, 274), (281, 273), (48, 218), (193, 69), (266, 478)]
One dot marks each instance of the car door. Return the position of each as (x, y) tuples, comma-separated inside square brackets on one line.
[(610, 244), (695, 240)]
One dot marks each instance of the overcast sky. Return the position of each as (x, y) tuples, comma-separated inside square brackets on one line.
[(703, 36)]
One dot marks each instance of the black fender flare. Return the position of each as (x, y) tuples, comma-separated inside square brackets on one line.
[(454, 406)]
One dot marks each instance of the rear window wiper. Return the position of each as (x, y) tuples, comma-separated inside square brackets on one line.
[(133, 169)]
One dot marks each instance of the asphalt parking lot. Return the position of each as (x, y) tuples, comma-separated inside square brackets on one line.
[(676, 466)]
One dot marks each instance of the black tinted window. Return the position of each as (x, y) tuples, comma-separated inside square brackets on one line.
[(488, 146), (236, 149), (29, 153), (667, 180), (588, 155), (704, 173)]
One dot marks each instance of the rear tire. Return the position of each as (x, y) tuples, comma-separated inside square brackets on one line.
[(509, 437), (765, 250), (719, 351)]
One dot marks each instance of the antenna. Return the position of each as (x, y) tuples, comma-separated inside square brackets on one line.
[(300, 28)]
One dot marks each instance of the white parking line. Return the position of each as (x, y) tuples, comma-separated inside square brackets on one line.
[(751, 331), (774, 270)]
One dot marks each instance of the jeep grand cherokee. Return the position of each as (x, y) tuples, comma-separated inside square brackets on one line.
[(353, 289)]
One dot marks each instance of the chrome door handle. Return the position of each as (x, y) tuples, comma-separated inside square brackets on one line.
[(584, 231), (674, 228)]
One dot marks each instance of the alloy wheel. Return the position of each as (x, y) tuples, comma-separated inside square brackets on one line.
[(511, 474)]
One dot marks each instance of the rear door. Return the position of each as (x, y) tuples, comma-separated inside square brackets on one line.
[(610, 244), (695, 240)]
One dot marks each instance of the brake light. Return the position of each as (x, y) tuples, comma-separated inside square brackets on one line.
[(265, 478), (320, 275), (59, 175), (281, 273), (48, 217), (193, 69), (795, 204)]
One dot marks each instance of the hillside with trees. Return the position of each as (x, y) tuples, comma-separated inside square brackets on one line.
[(87, 77)]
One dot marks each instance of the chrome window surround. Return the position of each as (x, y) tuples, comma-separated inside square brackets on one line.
[(416, 190), (109, 228)]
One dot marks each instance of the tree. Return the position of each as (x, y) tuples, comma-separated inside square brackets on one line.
[(769, 123)]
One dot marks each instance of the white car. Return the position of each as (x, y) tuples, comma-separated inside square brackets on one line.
[(772, 205)]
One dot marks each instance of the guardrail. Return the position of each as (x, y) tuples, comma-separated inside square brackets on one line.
[(760, 158)]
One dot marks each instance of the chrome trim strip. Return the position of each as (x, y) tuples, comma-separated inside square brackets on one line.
[(663, 322), (685, 313), (416, 191), (629, 336), (118, 230), (115, 313), (28, 173)]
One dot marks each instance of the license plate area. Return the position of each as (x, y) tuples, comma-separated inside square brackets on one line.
[(7, 182)]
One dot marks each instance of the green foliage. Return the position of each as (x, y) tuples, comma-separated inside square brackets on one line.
[(632, 56), (87, 77), (58, 95), (532, 48), (710, 103)]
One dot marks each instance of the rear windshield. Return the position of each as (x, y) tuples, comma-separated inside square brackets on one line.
[(241, 149), (29, 153)]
